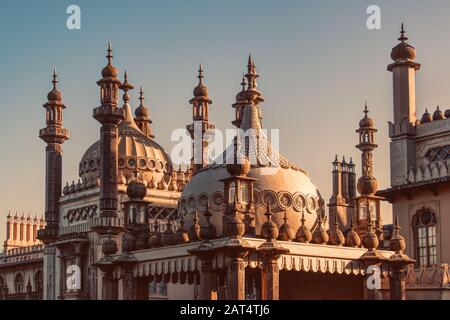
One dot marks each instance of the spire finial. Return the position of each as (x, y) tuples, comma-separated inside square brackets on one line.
[(141, 95), (55, 78), (109, 56), (243, 82), (403, 38), (126, 87), (200, 74), (366, 109)]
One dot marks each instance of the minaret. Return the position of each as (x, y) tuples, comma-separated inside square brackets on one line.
[(404, 69), (54, 135), (402, 130), (109, 115), (338, 206), (142, 119), (200, 129), (368, 204)]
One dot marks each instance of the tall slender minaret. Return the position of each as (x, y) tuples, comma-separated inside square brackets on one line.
[(142, 119), (402, 130), (109, 115), (368, 204), (54, 135), (200, 129)]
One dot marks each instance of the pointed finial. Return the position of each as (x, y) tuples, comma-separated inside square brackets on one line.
[(109, 56), (366, 109), (243, 82), (403, 38), (141, 95), (250, 60), (55, 79), (397, 225), (200, 74)]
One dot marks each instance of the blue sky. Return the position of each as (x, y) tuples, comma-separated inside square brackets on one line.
[(317, 60)]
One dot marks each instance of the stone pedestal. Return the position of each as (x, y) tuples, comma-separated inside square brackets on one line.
[(398, 263), (270, 252), (208, 278), (375, 260)]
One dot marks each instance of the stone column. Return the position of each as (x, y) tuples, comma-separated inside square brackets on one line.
[(236, 279), (397, 284), (109, 287), (128, 284), (270, 252), (49, 272), (205, 252)]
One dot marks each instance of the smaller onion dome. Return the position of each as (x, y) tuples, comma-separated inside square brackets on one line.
[(397, 242), (447, 114), (109, 71), (303, 235), (320, 236), (136, 188), (269, 230), (142, 110), (366, 122), (438, 115), (426, 118), (286, 232), (109, 246), (239, 165), (181, 234), (337, 237), (55, 94), (403, 51), (352, 239), (370, 239), (200, 90), (367, 185), (129, 242)]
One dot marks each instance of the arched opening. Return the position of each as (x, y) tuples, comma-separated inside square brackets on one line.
[(19, 283), (424, 224)]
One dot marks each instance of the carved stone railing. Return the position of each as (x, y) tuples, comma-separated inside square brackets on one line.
[(428, 277), (429, 172)]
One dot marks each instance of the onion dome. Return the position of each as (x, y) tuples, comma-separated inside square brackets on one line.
[(370, 239), (397, 242), (181, 234), (337, 237), (438, 115), (136, 189), (426, 118), (155, 238), (403, 51), (55, 94), (208, 230), (286, 232), (367, 185), (141, 111), (109, 246), (200, 91), (128, 242), (168, 237), (303, 235), (109, 71), (194, 231), (352, 239), (269, 230), (447, 113), (320, 236), (366, 122)]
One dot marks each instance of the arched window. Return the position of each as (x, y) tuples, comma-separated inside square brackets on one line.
[(424, 224), (18, 283), (38, 281)]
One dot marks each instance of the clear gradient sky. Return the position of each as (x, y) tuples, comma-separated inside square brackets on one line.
[(317, 60)]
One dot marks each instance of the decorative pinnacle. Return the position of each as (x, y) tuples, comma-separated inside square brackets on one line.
[(397, 225), (141, 95), (55, 79), (303, 218), (243, 82), (200, 74), (403, 38), (268, 213), (109, 55), (366, 109)]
